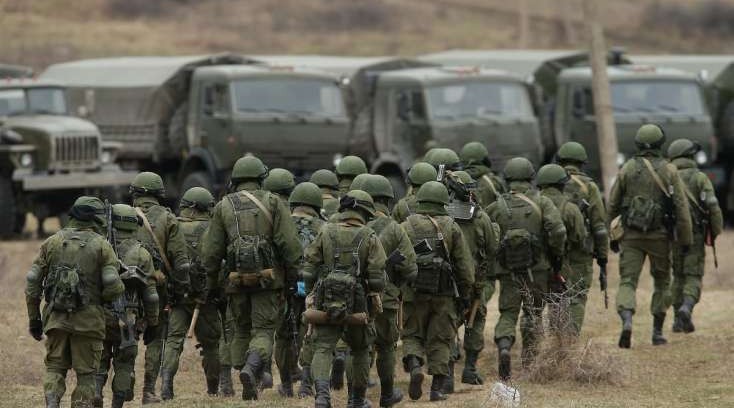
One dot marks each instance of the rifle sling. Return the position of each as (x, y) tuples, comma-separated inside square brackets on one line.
[(529, 201), (655, 176), (441, 236), (692, 199), (584, 188), (161, 251), (259, 205), (491, 185)]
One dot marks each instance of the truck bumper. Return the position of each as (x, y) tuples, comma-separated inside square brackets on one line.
[(111, 176)]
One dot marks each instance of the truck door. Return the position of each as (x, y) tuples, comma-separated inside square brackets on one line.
[(580, 124), (215, 125), (409, 131)]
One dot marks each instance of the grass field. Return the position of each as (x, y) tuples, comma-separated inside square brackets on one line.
[(694, 370)]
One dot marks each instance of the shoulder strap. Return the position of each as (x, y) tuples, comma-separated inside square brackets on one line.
[(491, 185), (529, 201), (440, 237), (655, 176), (158, 245), (584, 188), (692, 199), (259, 205)]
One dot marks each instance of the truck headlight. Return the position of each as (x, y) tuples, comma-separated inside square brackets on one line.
[(26, 160), (106, 157), (337, 158), (621, 159), (701, 158)]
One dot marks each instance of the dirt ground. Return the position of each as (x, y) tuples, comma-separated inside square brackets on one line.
[(694, 370)]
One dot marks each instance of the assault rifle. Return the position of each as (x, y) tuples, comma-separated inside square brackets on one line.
[(293, 331), (603, 284), (119, 306)]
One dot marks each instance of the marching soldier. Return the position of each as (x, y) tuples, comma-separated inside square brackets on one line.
[(281, 183), (418, 175), (348, 168), (475, 160), (329, 185)]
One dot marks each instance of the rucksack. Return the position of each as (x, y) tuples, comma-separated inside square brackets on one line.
[(66, 289), (435, 273), (192, 237), (522, 222)]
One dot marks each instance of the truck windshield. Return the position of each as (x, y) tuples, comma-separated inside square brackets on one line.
[(33, 100), (294, 96), (674, 97), (478, 99)]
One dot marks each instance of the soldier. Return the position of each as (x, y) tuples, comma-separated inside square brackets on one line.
[(475, 160), (75, 272), (164, 241), (281, 183), (440, 294), (347, 169), (329, 185), (707, 225), (253, 231), (344, 274), (552, 179), (583, 191), (443, 160), (650, 197), (305, 204), (196, 206), (419, 174), (137, 308), (481, 236), (532, 242)]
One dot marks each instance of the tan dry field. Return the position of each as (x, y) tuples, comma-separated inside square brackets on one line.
[(695, 370)]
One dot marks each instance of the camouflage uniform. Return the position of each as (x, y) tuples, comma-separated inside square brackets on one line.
[(73, 339), (348, 168), (329, 185), (637, 198), (419, 174), (475, 159)]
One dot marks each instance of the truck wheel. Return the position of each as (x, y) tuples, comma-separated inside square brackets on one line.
[(197, 179), (177, 129), (9, 218)]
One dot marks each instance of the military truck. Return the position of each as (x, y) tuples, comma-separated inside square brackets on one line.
[(191, 118), (401, 108), (47, 157)]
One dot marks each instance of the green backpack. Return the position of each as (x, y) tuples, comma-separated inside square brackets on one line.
[(522, 223), (192, 232), (65, 286), (435, 273), (249, 251)]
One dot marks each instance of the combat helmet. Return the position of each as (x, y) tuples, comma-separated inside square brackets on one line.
[(573, 152), (88, 209), (433, 192), (443, 156), (359, 182), (475, 153), (683, 148), (351, 166), (279, 181), (249, 167), (378, 186), (147, 183), (306, 193), (649, 136), (325, 178), (551, 174), (421, 173), (519, 169), (125, 218), (461, 184), (357, 199), (199, 198)]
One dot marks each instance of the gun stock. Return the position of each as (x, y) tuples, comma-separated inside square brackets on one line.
[(192, 326)]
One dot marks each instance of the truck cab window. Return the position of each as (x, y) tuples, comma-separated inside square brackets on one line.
[(215, 99)]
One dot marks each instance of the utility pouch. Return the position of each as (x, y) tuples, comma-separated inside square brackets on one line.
[(518, 251), (642, 214), (66, 290)]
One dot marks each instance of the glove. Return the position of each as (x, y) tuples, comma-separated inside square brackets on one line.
[(602, 262), (35, 328), (301, 289), (614, 246), (150, 334)]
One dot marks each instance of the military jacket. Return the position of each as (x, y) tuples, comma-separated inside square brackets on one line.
[(193, 225), (573, 220), (405, 207), (481, 236), (141, 297), (701, 196), (488, 184), (330, 206), (584, 192)]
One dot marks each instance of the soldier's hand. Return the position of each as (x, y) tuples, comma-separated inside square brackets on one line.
[(150, 334), (35, 328), (614, 246)]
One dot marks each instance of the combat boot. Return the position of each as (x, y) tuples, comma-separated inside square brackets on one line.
[(249, 376), (266, 379), (149, 396), (225, 381), (337, 370), (504, 359), (625, 338), (413, 366), (118, 399), (212, 385), (677, 325), (685, 314), (389, 395), (437, 385), (470, 375), (53, 400), (99, 382), (658, 320), (323, 396), (285, 388), (306, 387), (357, 397), (166, 384), (448, 382)]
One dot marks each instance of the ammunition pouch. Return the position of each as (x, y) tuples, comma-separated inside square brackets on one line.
[(643, 214), (66, 291), (434, 275), (519, 251), (336, 294)]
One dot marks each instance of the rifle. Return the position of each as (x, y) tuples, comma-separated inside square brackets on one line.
[(293, 331), (119, 306), (603, 284), (167, 311)]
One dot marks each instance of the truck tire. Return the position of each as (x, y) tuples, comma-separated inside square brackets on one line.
[(197, 179), (9, 218), (177, 130)]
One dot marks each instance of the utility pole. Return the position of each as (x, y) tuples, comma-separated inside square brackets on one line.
[(602, 97)]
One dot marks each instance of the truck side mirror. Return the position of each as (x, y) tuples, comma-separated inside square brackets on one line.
[(404, 106)]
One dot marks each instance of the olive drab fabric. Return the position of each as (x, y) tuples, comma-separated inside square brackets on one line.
[(475, 159), (329, 184), (585, 193), (419, 174)]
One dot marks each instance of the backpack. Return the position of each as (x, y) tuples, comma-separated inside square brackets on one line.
[(340, 293), (522, 222), (647, 189), (435, 273), (192, 232), (66, 289)]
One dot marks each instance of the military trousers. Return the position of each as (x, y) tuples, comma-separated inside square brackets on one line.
[(225, 340), (384, 350), (256, 317), (579, 277), (122, 361), (430, 325), (154, 348), (519, 293), (286, 350), (631, 259), (359, 339), (64, 351), (688, 271), (207, 331), (474, 336)]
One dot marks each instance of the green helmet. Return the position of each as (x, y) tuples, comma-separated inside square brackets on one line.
[(355, 199), (125, 218), (360, 181), (682, 148), (572, 151), (551, 174), (433, 192), (198, 198), (351, 166), (519, 169), (421, 173), (475, 153), (649, 136), (325, 178), (279, 180), (249, 167), (147, 183), (461, 184), (88, 208), (379, 186), (447, 157), (306, 193)]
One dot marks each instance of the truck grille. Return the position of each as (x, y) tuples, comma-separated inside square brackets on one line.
[(76, 152)]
